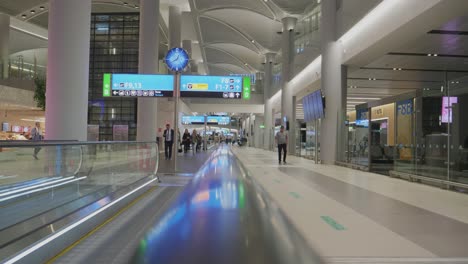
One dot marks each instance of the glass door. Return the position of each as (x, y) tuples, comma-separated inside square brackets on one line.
[(454, 113)]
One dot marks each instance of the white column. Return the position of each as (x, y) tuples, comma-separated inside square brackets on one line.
[(287, 54), (333, 86), (148, 63), (68, 70), (187, 46), (175, 27), (4, 45), (267, 81)]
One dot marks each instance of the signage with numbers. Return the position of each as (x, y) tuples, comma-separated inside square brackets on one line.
[(138, 85), (227, 87)]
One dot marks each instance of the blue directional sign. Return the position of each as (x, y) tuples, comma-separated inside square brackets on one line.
[(138, 85), (227, 87), (218, 120), (211, 120), (193, 120)]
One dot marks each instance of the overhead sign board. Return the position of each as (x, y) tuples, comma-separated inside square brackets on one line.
[(219, 120), (211, 120), (193, 120), (227, 87), (138, 85)]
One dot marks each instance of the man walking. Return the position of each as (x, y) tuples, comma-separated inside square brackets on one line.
[(281, 140), (36, 135), (168, 141)]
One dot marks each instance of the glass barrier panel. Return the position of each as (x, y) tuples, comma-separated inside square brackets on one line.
[(55, 180)]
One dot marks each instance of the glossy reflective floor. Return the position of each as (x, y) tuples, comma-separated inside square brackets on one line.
[(358, 217)]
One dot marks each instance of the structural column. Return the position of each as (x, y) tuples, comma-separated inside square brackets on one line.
[(68, 70), (287, 54), (267, 83), (4, 45), (175, 27), (148, 63), (187, 46), (333, 87)]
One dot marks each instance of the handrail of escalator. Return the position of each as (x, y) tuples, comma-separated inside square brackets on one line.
[(45, 143)]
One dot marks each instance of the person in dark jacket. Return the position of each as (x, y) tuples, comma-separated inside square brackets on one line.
[(168, 141)]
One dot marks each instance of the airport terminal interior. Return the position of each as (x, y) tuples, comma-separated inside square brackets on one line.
[(234, 131)]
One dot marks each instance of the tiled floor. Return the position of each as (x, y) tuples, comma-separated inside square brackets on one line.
[(346, 213)]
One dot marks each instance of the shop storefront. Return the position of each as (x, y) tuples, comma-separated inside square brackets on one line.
[(421, 135)]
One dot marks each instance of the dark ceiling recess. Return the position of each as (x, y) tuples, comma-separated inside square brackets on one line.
[(427, 55), (448, 32)]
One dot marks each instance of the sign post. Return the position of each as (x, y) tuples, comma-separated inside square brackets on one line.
[(176, 118)]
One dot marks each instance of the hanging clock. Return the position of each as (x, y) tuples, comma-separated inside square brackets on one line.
[(177, 59)]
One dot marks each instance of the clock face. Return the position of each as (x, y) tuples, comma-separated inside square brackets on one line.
[(177, 59)]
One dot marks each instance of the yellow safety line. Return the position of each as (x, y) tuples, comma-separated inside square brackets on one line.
[(52, 260)]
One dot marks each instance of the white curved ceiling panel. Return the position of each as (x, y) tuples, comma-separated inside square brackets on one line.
[(294, 6), (258, 27), (220, 56), (246, 55), (216, 70), (231, 68), (254, 5), (214, 31)]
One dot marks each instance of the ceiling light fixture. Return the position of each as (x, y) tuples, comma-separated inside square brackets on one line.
[(41, 8), (253, 41), (435, 55), (137, 7), (394, 69), (399, 69), (33, 11), (23, 16), (429, 55), (125, 3)]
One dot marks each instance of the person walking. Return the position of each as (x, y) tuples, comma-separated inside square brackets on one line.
[(282, 142), (168, 141), (186, 140), (36, 135), (195, 140)]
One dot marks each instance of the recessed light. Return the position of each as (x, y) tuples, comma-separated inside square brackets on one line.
[(33, 12), (429, 55), (394, 69), (435, 55), (253, 41), (41, 8), (125, 3), (136, 7), (399, 69), (23, 16)]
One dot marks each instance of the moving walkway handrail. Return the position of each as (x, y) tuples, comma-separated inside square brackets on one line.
[(29, 144)]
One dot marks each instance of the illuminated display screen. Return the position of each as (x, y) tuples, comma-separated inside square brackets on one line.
[(193, 120), (227, 87), (138, 85), (313, 106), (218, 120), (447, 104), (211, 120)]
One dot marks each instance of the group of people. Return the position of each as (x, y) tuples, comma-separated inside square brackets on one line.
[(188, 140), (194, 139)]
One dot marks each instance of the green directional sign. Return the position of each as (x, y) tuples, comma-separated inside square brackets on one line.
[(246, 90), (106, 89)]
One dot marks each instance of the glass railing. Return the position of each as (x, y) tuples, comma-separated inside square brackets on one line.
[(44, 183)]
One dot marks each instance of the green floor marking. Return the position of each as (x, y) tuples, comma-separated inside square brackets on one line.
[(295, 195), (333, 223)]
